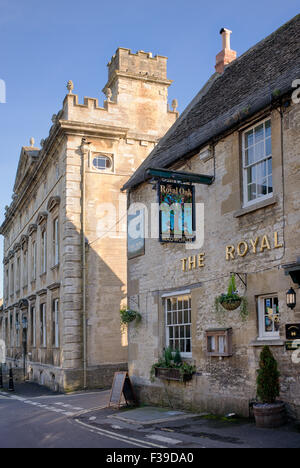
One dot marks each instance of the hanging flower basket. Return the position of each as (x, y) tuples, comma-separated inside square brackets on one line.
[(232, 300), (231, 304)]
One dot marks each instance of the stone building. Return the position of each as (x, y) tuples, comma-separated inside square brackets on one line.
[(238, 145), (65, 275)]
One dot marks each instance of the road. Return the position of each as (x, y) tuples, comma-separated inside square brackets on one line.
[(48, 422)]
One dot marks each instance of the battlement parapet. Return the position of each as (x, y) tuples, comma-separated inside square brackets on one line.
[(141, 63)]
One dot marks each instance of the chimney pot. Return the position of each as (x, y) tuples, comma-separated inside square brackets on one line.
[(226, 55)]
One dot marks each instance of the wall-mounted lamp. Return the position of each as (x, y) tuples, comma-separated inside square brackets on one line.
[(291, 298)]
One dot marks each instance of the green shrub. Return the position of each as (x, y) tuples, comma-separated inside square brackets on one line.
[(268, 387)]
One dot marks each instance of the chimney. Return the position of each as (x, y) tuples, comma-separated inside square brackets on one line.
[(227, 55)]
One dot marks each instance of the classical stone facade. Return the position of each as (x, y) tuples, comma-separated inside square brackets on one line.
[(252, 232), (65, 276)]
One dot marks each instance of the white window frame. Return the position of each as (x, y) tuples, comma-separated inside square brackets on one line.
[(11, 330), (17, 326), (262, 334), (102, 156), (44, 252), (43, 325), (33, 257), (33, 325), (25, 268), (177, 296), (56, 242), (246, 202), (56, 322)]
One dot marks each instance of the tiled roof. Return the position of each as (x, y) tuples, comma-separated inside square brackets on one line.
[(248, 85)]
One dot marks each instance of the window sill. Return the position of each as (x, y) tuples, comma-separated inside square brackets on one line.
[(267, 342), (257, 206), (219, 355)]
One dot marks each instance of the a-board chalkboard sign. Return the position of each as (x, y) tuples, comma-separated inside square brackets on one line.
[(122, 386)]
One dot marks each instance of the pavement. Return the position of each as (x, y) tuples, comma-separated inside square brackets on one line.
[(34, 417)]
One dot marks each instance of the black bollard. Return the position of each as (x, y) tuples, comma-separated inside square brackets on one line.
[(11, 387), (1, 378)]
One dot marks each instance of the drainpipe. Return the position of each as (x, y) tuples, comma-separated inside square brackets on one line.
[(84, 150)]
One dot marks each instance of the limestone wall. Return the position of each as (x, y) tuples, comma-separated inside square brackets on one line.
[(223, 384)]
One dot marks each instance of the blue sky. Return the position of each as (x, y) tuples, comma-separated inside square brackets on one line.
[(43, 44)]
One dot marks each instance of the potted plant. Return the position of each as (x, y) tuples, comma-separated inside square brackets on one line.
[(232, 300), (269, 412), (171, 367), (129, 315)]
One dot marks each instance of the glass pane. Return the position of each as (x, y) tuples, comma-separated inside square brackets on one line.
[(259, 151), (176, 344), (268, 323), (186, 303), (180, 305), (270, 185), (249, 139), (171, 332), (171, 344), (251, 174), (176, 332), (180, 316), (188, 331), (169, 321), (268, 147), (249, 156), (174, 317), (251, 192), (182, 350), (268, 128), (188, 346), (222, 344), (211, 346), (269, 166), (186, 316), (262, 188), (181, 332), (259, 133), (168, 304)]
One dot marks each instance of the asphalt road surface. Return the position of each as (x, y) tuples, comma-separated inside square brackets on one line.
[(29, 421)]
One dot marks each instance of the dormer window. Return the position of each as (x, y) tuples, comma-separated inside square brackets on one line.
[(102, 163)]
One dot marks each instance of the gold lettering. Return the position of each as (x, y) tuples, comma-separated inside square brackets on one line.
[(192, 262), (184, 260), (254, 244), (201, 260), (265, 244), (241, 252), (276, 243), (230, 250)]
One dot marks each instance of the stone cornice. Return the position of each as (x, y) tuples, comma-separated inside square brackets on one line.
[(41, 292), (141, 77), (54, 286), (24, 241), (42, 218), (32, 228), (104, 131), (17, 247), (53, 203), (32, 297)]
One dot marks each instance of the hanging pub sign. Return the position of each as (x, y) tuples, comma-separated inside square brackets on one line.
[(176, 212)]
